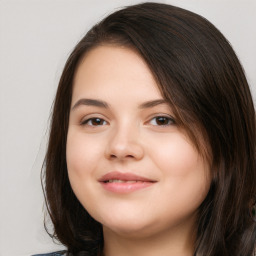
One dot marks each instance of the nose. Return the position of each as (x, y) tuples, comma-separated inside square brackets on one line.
[(124, 144)]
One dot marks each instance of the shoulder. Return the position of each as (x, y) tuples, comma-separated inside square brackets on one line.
[(59, 253)]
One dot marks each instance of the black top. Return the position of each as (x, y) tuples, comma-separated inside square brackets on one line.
[(59, 253)]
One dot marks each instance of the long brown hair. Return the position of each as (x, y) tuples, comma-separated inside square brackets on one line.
[(200, 75)]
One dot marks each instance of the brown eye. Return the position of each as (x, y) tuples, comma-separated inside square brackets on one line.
[(94, 122), (161, 121)]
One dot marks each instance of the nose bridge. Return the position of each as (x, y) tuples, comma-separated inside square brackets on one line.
[(124, 141)]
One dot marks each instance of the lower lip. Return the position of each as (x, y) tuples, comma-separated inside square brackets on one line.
[(125, 187)]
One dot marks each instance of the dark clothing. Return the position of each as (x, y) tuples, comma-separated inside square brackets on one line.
[(60, 253)]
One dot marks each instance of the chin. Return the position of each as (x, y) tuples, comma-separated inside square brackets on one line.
[(128, 232), (129, 227)]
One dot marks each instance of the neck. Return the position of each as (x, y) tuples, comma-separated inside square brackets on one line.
[(169, 243)]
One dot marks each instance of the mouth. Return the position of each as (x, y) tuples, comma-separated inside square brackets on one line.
[(124, 182), (121, 181)]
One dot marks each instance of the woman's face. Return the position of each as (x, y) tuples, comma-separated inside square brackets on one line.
[(131, 167)]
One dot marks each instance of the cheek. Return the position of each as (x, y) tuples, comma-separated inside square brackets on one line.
[(177, 156), (184, 171), (82, 154)]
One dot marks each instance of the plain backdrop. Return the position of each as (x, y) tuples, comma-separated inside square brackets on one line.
[(36, 37)]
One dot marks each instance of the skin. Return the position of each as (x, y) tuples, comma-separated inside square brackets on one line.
[(131, 137)]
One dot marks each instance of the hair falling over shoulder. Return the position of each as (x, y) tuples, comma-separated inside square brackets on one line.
[(199, 74)]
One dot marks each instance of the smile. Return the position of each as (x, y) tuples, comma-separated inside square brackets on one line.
[(124, 182)]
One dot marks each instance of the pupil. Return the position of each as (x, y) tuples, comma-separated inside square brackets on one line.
[(96, 121), (162, 121)]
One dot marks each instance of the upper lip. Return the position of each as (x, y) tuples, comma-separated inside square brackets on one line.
[(125, 176)]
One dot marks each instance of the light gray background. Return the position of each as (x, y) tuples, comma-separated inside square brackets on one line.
[(36, 37)]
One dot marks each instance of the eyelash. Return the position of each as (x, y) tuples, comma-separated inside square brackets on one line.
[(100, 121), (168, 119), (91, 120)]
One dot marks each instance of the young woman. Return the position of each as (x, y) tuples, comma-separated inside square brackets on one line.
[(152, 142)]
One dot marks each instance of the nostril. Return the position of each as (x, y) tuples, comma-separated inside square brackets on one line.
[(123, 150), (127, 156)]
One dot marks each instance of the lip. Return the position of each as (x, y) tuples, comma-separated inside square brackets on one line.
[(118, 182)]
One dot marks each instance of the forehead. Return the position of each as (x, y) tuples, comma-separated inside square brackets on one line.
[(113, 69)]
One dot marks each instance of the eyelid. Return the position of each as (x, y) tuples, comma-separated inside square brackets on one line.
[(169, 117), (84, 121)]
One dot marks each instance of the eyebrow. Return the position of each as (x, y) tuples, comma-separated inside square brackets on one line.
[(103, 104), (152, 103), (90, 102)]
